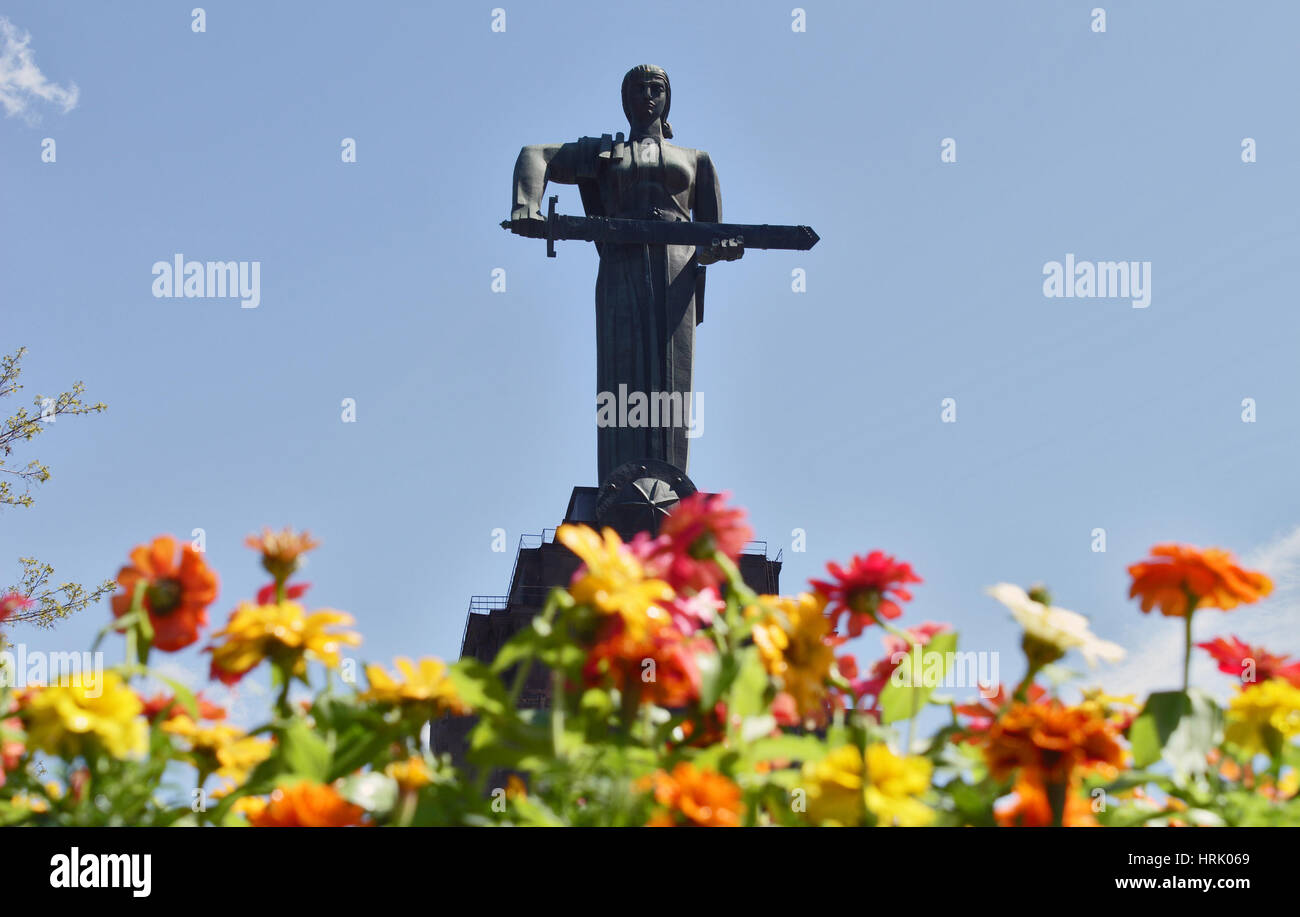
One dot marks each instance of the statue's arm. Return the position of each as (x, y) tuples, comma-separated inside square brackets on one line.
[(707, 208), (537, 165)]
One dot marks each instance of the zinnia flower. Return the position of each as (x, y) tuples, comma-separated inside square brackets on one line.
[(1050, 631), (178, 592), (1261, 719), (693, 797), (1030, 808), (870, 587), (283, 633), (1251, 664), (792, 637), (612, 579), (281, 551), (160, 703), (1051, 741), (689, 613), (66, 719), (657, 665), (225, 750), (840, 794), (425, 683), (700, 525), (1210, 577), (304, 805), (410, 775)]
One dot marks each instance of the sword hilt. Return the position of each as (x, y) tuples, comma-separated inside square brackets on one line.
[(550, 226)]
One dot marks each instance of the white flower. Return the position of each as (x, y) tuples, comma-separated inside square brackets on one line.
[(1058, 627)]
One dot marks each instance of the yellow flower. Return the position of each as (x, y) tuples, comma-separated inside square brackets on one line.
[(613, 580), (31, 803), (283, 633), (1118, 710), (428, 684), (1263, 716), (840, 794), (791, 638), (64, 719), (220, 748), (410, 774)]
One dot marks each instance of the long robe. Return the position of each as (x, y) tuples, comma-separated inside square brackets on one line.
[(647, 305)]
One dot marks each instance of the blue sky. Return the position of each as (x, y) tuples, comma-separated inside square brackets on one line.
[(822, 409)]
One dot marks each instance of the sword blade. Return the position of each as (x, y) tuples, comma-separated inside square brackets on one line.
[(621, 231)]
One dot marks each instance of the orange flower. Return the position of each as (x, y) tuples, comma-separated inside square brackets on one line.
[(1050, 740), (177, 595), (1210, 577), (305, 805), (658, 665), (694, 798), (281, 550), (1031, 809)]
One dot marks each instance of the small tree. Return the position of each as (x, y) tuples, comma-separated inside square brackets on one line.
[(49, 602)]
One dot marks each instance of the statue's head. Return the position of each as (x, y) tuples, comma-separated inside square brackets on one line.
[(647, 95)]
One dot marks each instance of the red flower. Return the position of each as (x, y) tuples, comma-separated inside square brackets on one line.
[(1234, 658), (700, 525), (266, 595), (153, 706), (867, 589), (177, 594), (659, 666), (11, 602)]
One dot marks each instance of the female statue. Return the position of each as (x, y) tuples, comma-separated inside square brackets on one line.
[(649, 298)]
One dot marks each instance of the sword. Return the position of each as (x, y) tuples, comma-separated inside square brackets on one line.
[(558, 226)]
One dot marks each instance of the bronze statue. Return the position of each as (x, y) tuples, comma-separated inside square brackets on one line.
[(650, 287)]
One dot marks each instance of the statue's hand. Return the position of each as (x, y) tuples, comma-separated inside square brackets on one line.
[(732, 249), (530, 225)]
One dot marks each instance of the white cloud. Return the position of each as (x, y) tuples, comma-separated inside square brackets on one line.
[(1274, 623), (21, 81)]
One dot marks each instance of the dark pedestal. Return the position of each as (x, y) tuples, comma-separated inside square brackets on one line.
[(541, 564)]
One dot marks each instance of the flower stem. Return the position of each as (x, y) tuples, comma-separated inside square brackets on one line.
[(1187, 649)]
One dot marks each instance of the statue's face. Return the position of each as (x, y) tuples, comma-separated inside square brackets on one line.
[(646, 101)]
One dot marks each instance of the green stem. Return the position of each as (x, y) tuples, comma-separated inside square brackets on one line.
[(1187, 650)]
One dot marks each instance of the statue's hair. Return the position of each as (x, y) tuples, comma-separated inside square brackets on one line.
[(641, 73)]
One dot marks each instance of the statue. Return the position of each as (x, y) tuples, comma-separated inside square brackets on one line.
[(654, 210)]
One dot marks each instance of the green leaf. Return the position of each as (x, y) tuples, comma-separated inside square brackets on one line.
[(750, 685), (1180, 728), (784, 748), (479, 687), (907, 692), (304, 753)]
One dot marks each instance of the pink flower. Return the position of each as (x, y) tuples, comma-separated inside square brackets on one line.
[(700, 525), (11, 602), (690, 613)]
